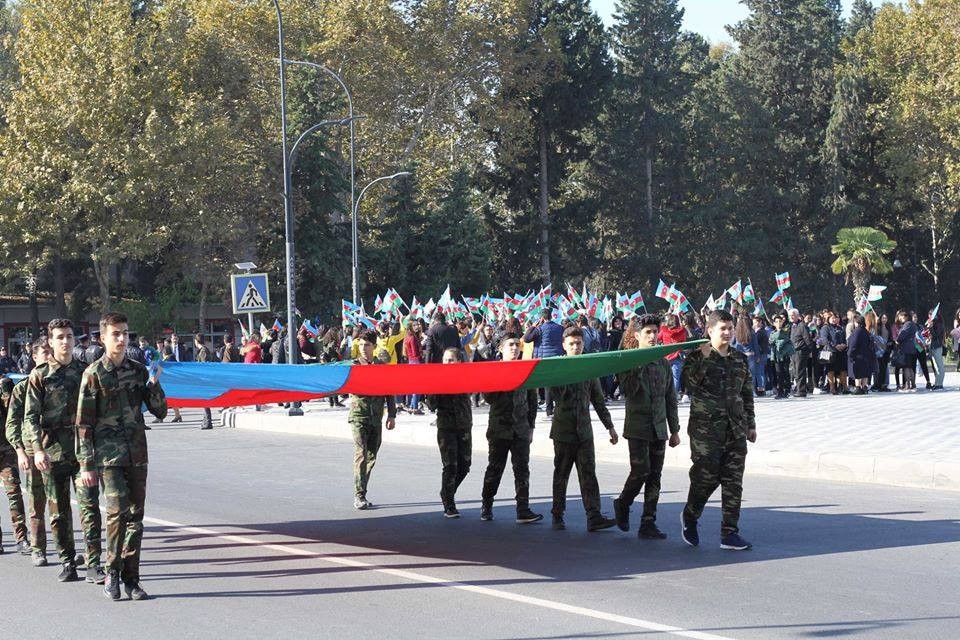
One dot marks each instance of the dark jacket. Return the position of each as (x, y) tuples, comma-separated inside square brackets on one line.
[(440, 337), (651, 402), (801, 337), (547, 339), (571, 414), (454, 412), (512, 414), (907, 338), (861, 354), (231, 354), (135, 353), (832, 337)]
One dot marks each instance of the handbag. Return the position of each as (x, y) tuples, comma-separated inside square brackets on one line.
[(898, 358), (826, 355)]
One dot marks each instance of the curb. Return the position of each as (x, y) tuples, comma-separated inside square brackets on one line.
[(825, 465)]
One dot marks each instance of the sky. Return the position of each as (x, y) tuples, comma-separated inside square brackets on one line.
[(706, 17)]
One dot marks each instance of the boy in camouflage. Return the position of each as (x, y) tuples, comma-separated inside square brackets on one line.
[(10, 475), (112, 442), (366, 420), (32, 477), (509, 432), (48, 427), (651, 411), (572, 436), (718, 379), (454, 426)]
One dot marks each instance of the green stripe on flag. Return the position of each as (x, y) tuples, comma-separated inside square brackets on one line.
[(563, 370)]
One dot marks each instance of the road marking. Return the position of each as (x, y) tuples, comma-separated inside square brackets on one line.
[(452, 584)]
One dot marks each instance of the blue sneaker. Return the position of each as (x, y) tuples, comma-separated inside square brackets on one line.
[(733, 542), (688, 531)]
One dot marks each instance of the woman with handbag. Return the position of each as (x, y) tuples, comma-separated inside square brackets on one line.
[(905, 355), (833, 344)]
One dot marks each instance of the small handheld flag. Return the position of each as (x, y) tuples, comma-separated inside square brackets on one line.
[(783, 280)]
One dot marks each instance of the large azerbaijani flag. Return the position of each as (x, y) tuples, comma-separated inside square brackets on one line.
[(216, 384)]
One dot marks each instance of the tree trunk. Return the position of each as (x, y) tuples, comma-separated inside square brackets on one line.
[(34, 310), (649, 167), (861, 281), (101, 270), (544, 207), (60, 299), (202, 312)]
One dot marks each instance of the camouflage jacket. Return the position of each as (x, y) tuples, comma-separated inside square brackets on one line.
[(512, 414), (51, 407), (721, 389), (454, 412), (368, 410), (5, 397), (110, 428), (14, 423), (651, 402), (571, 413)]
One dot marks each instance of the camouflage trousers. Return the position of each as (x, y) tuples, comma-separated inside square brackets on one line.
[(56, 483), (36, 506), (718, 460), (10, 476), (519, 451), (366, 443), (455, 454), (583, 455), (646, 467), (124, 492)]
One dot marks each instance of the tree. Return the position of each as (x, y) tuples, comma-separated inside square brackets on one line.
[(860, 253)]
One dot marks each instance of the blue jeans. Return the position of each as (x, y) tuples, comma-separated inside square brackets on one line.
[(758, 368), (676, 365), (414, 401)]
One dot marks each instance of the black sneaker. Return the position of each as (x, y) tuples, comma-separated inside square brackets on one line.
[(23, 548), (2, 551), (68, 573), (95, 574), (79, 560), (649, 531), (451, 512), (621, 514), (601, 523), (486, 512), (525, 516), (558, 524), (38, 558), (688, 531), (733, 542), (111, 588), (134, 591)]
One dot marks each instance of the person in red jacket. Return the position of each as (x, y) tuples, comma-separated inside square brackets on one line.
[(672, 332), (413, 352)]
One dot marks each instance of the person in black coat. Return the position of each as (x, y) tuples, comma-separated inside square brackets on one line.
[(907, 349), (440, 337), (862, 353)]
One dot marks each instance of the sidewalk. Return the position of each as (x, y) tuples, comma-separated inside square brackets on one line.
[(901, 439)]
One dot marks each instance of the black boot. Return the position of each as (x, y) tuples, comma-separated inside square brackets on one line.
[(649, 531), (621, 513), (134, 591), (111, 588)]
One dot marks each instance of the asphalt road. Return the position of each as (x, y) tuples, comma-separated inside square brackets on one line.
[(253, 535)]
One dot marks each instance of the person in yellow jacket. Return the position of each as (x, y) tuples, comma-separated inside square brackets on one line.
[(388, 337)]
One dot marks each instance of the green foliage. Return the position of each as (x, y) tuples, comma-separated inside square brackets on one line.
[(860, 253)]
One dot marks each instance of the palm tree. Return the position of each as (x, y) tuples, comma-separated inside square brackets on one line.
[(860, 253)]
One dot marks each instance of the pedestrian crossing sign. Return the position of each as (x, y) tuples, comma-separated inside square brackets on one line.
[(251, 293)]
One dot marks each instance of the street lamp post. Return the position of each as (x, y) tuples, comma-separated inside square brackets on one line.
[(355, 264), (356, 210)]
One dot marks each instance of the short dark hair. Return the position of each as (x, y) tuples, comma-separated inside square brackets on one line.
[(59, 323), (717, 316), (572, 332), (228, 339), (198, 337), (112, 318), (369, 336), (546, 312), (38, 344), (440, 316), (648, 319)]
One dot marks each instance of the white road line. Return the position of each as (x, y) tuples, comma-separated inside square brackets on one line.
[(452, 584)]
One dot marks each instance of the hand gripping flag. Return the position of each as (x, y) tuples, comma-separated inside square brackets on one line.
[(215, 384), (783, 280)]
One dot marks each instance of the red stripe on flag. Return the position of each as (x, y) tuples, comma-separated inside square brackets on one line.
[(371, 380)]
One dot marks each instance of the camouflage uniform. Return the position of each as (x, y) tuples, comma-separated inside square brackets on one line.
[(721, 413), (9, 473), (454, 430), (651, 409), (33, 480), (572, 435), (48, 425), (509, 431), (366, 421), (111, 439)]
